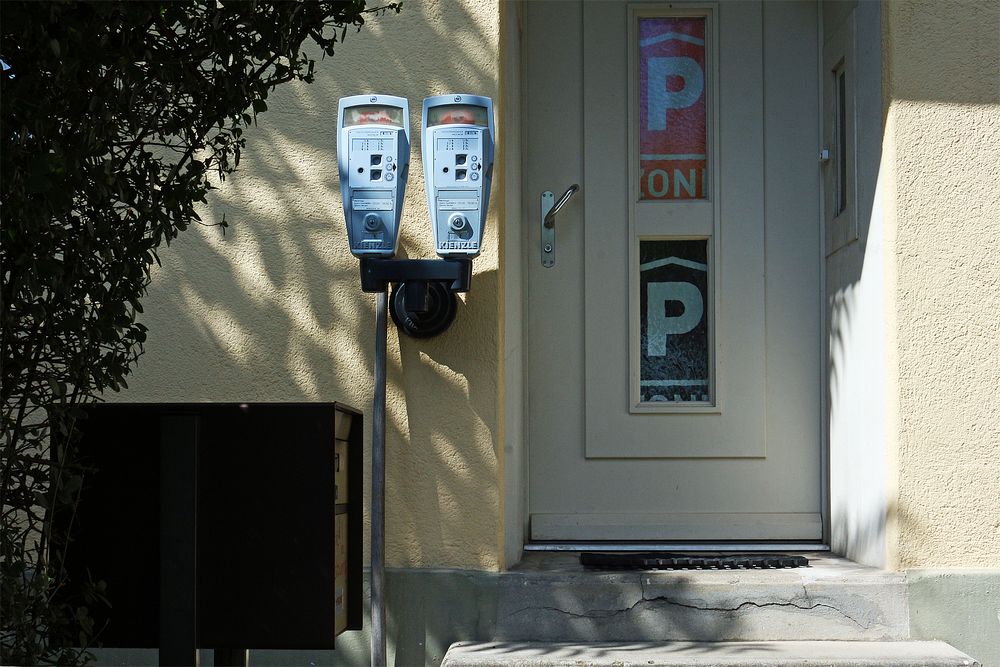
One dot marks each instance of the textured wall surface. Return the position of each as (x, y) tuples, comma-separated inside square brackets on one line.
[(943, 125), (273, 311), (960, 606)]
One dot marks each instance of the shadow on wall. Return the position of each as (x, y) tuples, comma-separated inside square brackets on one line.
[(931, 46), (857, 385), (272, 310), (856, 319)]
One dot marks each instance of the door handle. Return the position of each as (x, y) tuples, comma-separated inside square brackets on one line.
[(549, 211), (549, 217)]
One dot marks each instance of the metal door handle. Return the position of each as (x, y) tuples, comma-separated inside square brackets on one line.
[(550, 217), (549, 211)]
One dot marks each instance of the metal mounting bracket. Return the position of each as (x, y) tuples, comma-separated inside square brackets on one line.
[(423, 302)]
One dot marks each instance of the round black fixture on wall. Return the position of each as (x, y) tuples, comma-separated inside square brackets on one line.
[(422, 310)]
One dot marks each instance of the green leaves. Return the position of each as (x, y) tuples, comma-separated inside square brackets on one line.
[(42, 173), (115, 116)]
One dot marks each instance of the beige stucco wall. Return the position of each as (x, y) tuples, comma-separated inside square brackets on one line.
[(273, 311), (941, 143)]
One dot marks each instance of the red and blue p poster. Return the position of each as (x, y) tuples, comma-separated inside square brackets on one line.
[(672, 108)]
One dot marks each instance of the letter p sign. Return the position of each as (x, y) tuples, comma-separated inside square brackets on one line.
[(659, 100), (659, 324)]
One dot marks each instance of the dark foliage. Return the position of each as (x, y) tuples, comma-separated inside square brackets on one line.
[(114, 115)]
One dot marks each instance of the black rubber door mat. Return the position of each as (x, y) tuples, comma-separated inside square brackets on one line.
[(665, 560)]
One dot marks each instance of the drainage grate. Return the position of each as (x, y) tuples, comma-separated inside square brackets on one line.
[(664, 560)]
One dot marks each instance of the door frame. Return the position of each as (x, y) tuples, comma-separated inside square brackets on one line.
[(518, 226)]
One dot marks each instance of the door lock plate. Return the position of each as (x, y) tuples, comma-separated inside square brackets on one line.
[(548, 232)]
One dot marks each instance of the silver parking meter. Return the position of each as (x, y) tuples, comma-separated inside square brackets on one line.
[(373, 147), (373, 152), (457, 151)]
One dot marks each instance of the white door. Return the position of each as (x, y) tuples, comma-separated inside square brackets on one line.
[(674, 358)]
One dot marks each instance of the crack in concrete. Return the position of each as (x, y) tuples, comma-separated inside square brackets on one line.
[(663, 599), (749, 603)]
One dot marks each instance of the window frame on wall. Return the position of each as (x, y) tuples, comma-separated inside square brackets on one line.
[(840, 214), (704, 211)]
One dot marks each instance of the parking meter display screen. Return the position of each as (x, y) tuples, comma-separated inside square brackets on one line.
[(373, 114), (456, 144), (457, 114), (369, 145)]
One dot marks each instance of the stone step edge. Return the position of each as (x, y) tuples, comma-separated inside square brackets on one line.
[(699, 654)]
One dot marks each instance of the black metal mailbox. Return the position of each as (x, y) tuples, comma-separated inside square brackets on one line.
[(218, 525)]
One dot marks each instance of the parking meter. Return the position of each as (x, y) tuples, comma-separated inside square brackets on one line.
[(458, 168), (373, 152)]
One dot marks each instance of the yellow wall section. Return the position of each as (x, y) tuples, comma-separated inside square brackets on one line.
[(942, 137), (273, 311)]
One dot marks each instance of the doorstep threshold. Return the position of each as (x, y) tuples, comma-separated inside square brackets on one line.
[(676, 546), (822, 565)]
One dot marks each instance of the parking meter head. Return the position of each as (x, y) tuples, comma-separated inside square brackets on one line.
[(373, 153), (457, 148)]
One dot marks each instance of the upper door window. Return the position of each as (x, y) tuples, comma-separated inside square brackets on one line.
[(673, 112)]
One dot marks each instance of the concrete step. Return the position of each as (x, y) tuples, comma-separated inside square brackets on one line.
[(717, 654), (551, 598)]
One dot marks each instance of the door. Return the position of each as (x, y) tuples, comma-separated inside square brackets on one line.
[(674, 356)]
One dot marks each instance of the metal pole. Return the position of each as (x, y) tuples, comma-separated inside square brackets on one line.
[(378, 486)]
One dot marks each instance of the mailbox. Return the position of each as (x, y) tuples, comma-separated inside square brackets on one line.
[(239, 524)]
